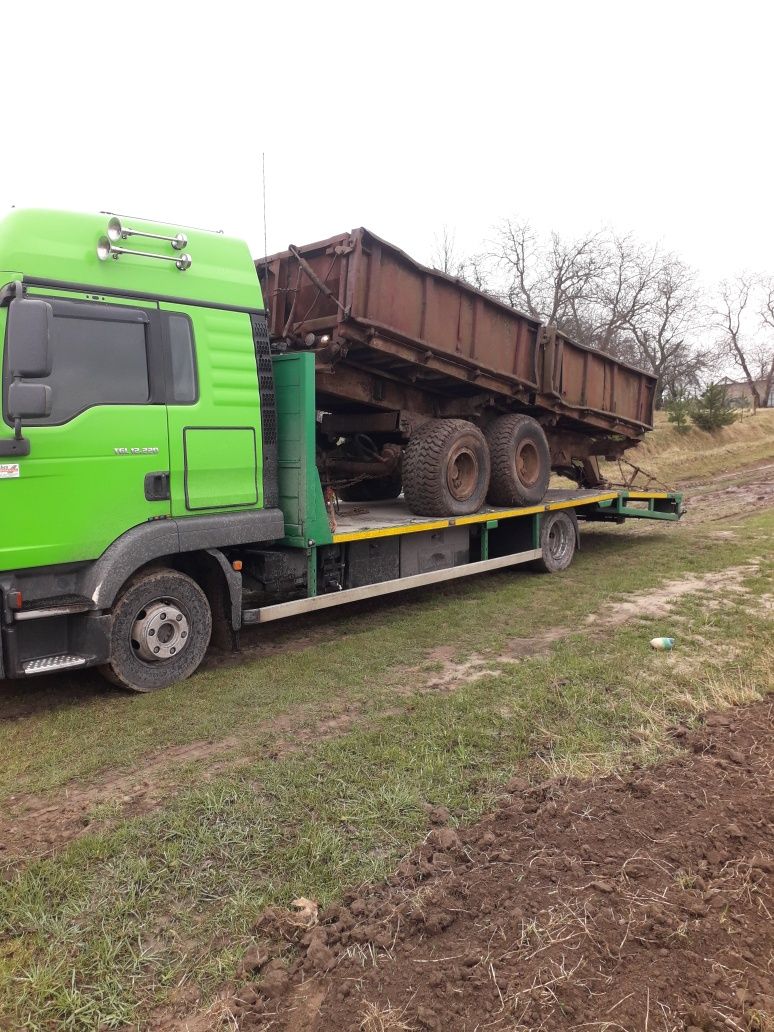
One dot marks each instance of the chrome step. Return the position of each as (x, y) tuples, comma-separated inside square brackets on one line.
[(50, 664), (63, 610)]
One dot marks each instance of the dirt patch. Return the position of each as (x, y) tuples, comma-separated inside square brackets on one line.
[(657, 602), (736, 494), (34, 825), (660, 601), (454, 673), (761, 468), (640, 902)]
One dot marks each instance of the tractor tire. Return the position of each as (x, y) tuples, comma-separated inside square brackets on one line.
[(446, 469), (521, 461), (160, 631), (374, 490), (559, 538)]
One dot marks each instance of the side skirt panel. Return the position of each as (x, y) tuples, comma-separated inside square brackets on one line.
[(338, 598)]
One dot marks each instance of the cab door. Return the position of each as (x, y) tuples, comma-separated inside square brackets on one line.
[(213, 411), (95, 463)]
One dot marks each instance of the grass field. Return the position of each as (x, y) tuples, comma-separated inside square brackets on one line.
[(675, 458), (309, 765)]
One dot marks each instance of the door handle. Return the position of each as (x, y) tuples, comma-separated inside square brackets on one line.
[(156, 487)]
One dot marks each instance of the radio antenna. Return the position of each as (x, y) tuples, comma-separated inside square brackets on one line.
[(265, 235)]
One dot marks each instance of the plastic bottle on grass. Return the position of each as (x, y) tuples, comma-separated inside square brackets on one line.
[(662, 644)]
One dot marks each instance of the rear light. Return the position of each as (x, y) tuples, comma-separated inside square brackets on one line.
[(14, 599)]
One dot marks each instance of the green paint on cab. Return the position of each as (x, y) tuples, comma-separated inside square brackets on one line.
[(83, 484)]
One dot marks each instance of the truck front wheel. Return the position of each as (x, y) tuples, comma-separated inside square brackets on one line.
[(446, 468), (521, 460), (160, 632)]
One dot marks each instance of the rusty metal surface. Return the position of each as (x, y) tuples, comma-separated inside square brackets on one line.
[(365, 305)]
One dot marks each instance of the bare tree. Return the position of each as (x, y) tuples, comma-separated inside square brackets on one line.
[(444, 257), (605, 290), (663, 324), (764, 357), (735, 342), (553, 281), (475, 271), (627, 293)]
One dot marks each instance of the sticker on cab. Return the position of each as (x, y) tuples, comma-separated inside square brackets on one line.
[(8, 470)]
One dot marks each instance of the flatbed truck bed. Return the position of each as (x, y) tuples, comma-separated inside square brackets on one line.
[(356, 521), (353, 522)]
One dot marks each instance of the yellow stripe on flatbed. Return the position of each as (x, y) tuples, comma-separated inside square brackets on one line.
[(482, 517)]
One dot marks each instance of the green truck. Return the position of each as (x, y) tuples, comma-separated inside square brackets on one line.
[(161, 463)]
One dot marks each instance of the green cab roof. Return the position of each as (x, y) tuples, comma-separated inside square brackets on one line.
[(61, 247)]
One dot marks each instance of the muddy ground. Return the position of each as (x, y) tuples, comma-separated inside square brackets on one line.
[(643, 902)]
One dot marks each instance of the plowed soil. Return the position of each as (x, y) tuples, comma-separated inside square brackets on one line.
[(642, 902)]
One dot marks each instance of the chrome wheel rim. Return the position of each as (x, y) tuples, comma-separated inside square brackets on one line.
[(160, 631), (560, 540)]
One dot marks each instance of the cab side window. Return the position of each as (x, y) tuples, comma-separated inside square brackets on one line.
[(182, 389), (96, 361)]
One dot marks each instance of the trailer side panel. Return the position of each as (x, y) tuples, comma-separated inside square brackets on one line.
[(381, 309)]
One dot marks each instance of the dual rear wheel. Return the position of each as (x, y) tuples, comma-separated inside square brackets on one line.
[(450, 467)]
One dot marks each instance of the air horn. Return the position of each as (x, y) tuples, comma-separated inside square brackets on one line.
[(107, 249), (117, 231)]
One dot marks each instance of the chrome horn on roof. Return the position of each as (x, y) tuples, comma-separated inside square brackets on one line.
[(117, 231), (107, 249)]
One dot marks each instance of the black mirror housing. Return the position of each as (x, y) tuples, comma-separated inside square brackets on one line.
[(30, 323), (28, 400)]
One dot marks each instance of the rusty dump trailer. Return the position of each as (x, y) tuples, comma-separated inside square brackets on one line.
[(423, 380)]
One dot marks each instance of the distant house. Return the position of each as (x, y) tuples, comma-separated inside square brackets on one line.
[(738, 391)]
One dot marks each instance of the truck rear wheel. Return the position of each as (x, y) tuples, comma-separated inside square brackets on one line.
[(160, 632), (558, 540), (446, 468), (521, 460)]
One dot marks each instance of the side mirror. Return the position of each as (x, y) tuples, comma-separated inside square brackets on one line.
[(28, 400), (29, 338), (28, 354)]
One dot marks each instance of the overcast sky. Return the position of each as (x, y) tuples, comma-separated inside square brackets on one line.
[(652, 117)]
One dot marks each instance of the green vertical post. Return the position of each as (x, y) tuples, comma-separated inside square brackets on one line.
[(485, 528), (301, 497), (311, 571), (536, 530)]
